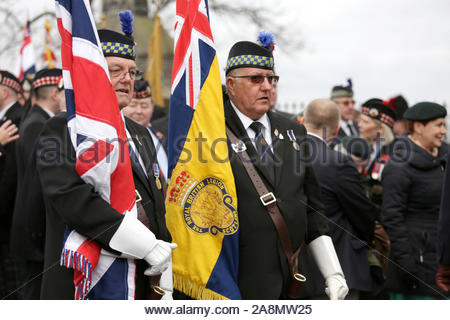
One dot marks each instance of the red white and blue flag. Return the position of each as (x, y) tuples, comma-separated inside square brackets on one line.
[(27, 59), (98, 135)]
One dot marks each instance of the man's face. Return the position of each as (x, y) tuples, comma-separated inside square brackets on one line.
[(346, 107), (140, 110), (122, 73), (273, 96), (251, 98), (3, 95), (61, 100)]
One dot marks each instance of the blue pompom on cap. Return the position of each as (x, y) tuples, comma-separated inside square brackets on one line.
[(126, 21), (350, 82), (266, 40)]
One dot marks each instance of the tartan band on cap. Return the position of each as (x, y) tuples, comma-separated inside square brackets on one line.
[(46, 81), (118, 49), (251, 61), (11, 84), (376, 114)]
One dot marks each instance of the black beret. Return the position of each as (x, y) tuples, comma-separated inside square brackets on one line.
[(356, 146), (142, 89), (425, 111), (376, 109), (116, 44), (248, 54), (9, 80), (47, 77)]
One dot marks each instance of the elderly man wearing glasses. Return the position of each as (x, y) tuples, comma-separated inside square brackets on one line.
[(343, 97), (278, 196), (141, 246)]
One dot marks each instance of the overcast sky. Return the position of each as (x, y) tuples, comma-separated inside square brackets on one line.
[(386, 47)]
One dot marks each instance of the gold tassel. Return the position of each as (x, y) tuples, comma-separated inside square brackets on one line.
[(195, 290)]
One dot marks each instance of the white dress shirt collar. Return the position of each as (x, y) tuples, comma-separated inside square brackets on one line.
[(246, 122)]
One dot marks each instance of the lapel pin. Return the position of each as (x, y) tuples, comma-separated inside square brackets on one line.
[(276, 132), (239, 147)]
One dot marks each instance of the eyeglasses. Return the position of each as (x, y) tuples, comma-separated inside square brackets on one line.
[(119, 73), (347, 103), (258, 79)]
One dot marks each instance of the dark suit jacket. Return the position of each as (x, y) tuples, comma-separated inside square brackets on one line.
[(70, 201), (28, 225), (2, 158), (8, 176), (351, 215), (341, 133), (263, 267)]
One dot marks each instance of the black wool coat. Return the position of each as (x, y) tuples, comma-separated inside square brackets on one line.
[(351, 215), (412, 185), (8, 176), (263, 267), (28, 225), (71, 201)]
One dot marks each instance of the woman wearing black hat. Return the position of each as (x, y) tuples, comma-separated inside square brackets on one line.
[(375, 126), (412, 183)]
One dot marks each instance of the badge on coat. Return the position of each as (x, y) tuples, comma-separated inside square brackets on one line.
[(239, 147)]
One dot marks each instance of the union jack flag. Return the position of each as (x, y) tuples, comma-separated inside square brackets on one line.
[(27, 63), (96, 130)]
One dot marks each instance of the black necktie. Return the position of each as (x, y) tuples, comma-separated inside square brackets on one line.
[(349, 126), (263, 149)]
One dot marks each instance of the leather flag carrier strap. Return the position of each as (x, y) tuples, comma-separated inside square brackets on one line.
[(270, 203)]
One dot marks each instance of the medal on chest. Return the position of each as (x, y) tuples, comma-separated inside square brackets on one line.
[(156, 174), (293, 139)]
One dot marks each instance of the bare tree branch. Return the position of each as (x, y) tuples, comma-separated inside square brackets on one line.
[(256, 15)]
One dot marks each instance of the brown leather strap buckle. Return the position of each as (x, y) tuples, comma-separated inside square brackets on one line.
[(268, 198)]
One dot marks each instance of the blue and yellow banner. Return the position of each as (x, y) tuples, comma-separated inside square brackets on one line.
[(201, 199)]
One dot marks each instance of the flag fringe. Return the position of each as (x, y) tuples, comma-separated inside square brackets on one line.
[(194, 290), (78, 262)]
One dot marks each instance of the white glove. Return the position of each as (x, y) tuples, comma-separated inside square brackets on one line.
[(159, 257), (324, 254), (166, 282), (336, 287), (132, 238), (167, 296)]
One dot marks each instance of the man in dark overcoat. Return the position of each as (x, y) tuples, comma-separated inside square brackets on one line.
[(280, 162), (71, 201), (350, 213), (11, 270), (28, 224)]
